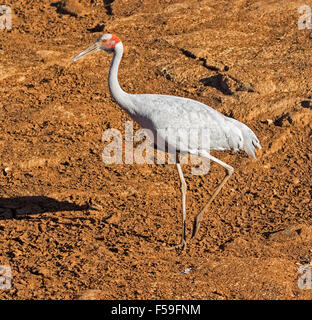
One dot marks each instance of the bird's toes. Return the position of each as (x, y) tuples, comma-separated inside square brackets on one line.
[(181, 245)]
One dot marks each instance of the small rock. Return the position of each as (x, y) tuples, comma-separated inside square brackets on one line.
[(89, 295), (187, 270), (72, 7), (296, 180)]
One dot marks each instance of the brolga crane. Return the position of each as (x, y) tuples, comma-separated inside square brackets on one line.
[(159, 113)]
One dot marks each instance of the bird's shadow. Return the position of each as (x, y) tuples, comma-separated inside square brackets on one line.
[(23, 207)]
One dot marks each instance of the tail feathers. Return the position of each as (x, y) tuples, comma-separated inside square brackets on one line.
[(251, 142), (256, 143)]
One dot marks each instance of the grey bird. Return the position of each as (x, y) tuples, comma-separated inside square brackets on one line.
[(173, 119)]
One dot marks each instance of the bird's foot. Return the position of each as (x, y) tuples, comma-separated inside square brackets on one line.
[(181, 245)]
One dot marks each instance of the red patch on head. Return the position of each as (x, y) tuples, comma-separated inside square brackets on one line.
[(113, 41), (115, 38)]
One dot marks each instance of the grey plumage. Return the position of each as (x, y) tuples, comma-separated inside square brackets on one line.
[(184, 124), (161, 112)]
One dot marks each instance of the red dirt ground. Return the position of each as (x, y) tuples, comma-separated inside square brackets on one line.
[(247, 59)]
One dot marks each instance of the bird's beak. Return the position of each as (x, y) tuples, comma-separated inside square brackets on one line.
[(95, 47)]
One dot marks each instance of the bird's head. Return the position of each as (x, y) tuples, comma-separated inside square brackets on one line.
[(105, 42)]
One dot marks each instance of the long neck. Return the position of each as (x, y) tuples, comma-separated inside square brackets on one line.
[(117, 93)]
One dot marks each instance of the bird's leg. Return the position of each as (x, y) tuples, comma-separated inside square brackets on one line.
[(199, 216), (182, 244)]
